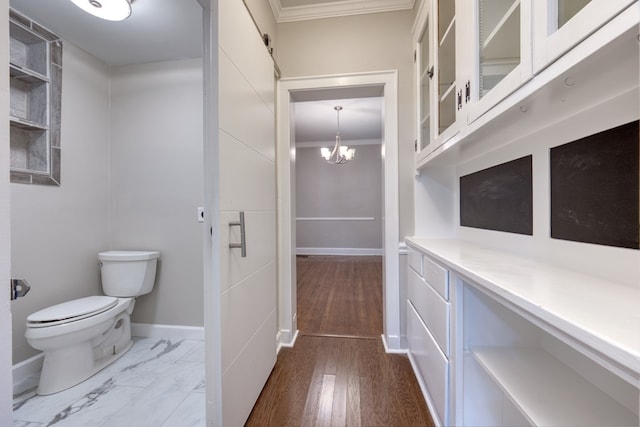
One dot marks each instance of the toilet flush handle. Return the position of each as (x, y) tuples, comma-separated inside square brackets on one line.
[(19, 288)]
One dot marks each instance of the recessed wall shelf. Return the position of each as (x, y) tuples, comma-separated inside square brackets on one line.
[(35, 70)]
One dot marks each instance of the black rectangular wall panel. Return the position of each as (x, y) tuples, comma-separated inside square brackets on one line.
[(595, 188), (499, 198)]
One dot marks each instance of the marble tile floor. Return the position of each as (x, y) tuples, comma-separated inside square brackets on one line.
[(157, 383)]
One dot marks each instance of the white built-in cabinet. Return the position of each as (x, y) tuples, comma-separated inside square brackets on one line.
[(561, 24), (428, 331), (471, 55), (500, 340)]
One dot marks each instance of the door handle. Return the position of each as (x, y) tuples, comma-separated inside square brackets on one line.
[(19, 288), (243, 242)]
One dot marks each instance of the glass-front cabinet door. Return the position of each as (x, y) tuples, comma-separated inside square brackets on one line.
[(561, 24), (424, 72), (448, 96), (501, 48)]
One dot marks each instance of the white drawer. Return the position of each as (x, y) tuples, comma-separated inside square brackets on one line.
[(415, 261), (433, 366), (432, 309), (437, 277)]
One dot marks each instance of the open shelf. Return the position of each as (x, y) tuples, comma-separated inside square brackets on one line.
[(26, 124), (548, 392), (26, 75)]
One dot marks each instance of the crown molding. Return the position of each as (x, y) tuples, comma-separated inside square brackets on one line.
[(336, 9)]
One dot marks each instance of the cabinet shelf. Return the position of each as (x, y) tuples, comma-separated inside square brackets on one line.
[(447, 92), (503, 41), (548, 392), (448, 33)]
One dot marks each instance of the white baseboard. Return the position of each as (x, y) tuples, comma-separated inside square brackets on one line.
[(148, 330), (392, 344), (23, 371), (340, 251), (286, 339)]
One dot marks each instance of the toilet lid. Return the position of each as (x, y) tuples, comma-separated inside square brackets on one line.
[(73, 310)]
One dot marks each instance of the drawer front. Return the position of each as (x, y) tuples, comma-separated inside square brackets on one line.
[(437, 277), (432, 309), (433, 366), (415, 261)]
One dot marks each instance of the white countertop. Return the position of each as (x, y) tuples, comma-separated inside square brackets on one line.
[(601, 314)]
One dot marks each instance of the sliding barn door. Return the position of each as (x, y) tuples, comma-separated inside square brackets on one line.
[(247, 216)]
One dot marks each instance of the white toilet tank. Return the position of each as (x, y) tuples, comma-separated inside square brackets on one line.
[(128, 273)]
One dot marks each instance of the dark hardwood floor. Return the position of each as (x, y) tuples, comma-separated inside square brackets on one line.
[(340, 295), (338, 373)]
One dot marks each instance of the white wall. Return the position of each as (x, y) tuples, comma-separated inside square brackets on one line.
[(157, 182), (361, 43), (350, 190), (151, 116), (57, 232)]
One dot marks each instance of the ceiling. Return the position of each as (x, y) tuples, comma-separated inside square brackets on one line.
[(360, 121), (157, 30)]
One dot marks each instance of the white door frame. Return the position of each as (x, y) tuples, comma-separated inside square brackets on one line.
[(287, 321), (6, 368)]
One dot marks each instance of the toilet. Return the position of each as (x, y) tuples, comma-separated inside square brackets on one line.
[(83, 336)]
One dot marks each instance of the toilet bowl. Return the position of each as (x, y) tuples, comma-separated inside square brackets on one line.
[(83, 336)]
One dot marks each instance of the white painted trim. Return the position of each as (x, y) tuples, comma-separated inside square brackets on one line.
[(211, 235), (6, 397), (337, 218), (335, 9), (148, 330), (24, 370), (392, 345), (340, 251), (388, 80), (286, 339)]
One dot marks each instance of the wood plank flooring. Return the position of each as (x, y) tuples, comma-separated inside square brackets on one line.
[(340, 295), (328, 379)]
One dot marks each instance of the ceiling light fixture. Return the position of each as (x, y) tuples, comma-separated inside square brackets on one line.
[(340, 153), (111, 10)]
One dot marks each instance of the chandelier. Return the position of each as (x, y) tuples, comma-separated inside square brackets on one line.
[(340, 153)]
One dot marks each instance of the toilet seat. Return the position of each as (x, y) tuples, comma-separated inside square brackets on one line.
[(71, 311)]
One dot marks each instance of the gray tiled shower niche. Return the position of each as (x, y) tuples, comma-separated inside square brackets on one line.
[(35, 68)]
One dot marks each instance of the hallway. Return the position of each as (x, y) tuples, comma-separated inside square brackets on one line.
[(338, 372)]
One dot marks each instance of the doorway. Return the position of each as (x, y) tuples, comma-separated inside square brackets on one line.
[(351, 85)]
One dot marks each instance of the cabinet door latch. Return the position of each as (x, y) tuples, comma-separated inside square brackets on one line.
[(430, 72)]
